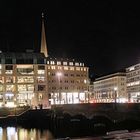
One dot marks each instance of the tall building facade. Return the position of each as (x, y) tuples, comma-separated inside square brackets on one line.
[(34, 78), (110, 88), (23, 79), (133, 83), (67, 81)]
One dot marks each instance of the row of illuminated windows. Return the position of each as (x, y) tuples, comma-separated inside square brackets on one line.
[(133, 79), (21, 79), (134, 73), (12, 88), (105, 85), (24, 71), (66, 81), (133, 83), (66, 74), (21, 88), (10, 67), (67, 68), (65, 63), (67, 88)]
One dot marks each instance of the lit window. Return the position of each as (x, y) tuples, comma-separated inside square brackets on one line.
[(0, 67), (30, 87), (10, 79), (58, 62), (41, 71), (85, 81), (76, 64), (52, 62), (72, 68), (22, 88), (9, 69), (25, 69), (77, 68), (59, 68), (53, 67), (64, 63), (10, 88), (71, 63), (66, 68), (81, 69), (9, 96), (132, 68), (48, 67), (40, 79), (48, 62), (84, 69)]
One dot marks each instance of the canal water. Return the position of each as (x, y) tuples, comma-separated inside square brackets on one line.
[(19, 133), (13, 133)]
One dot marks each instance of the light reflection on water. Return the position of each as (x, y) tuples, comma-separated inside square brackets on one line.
[(13, 133)]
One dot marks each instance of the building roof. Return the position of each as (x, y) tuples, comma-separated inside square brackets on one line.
[(110, 76), (22, 58)]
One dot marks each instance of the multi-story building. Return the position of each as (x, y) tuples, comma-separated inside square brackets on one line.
[(67, 81), (22, 78), (110, 88), (133, 83), (34, 78)]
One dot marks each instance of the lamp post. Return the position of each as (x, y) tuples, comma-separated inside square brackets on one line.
[(59, 74), (115, 95)]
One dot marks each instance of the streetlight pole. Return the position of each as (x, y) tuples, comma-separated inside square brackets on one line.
[(115, 92), (59, 74)]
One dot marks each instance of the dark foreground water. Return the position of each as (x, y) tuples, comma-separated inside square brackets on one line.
[(18, 133), (13, 133)]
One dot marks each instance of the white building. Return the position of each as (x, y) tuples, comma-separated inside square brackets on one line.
[(133, 83), (110, 88)]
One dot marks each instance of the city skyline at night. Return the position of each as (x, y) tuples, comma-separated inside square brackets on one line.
[(103, 35)]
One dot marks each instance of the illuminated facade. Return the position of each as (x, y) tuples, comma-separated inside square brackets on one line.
[(67, 82), (133, 83), (110, 88), (22, 78), (34, 78)]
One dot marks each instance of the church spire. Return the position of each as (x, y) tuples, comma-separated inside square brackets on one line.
[(43, 39)]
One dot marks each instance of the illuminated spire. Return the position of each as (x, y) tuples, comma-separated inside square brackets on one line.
[(43, 39)]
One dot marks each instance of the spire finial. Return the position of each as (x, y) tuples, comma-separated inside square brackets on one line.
[(43, 39)]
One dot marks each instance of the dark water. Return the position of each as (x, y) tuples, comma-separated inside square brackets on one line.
[(13, 133), (18, 133)]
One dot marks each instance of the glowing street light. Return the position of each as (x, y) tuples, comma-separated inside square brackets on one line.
[(115, 92), (59, 74)]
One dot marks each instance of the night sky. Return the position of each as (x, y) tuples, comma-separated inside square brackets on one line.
[(105, 35)]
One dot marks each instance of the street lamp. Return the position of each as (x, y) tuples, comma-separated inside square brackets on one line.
[(59, 74), (115, 92)]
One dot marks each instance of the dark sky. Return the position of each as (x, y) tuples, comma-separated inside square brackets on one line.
[(103, 34)]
